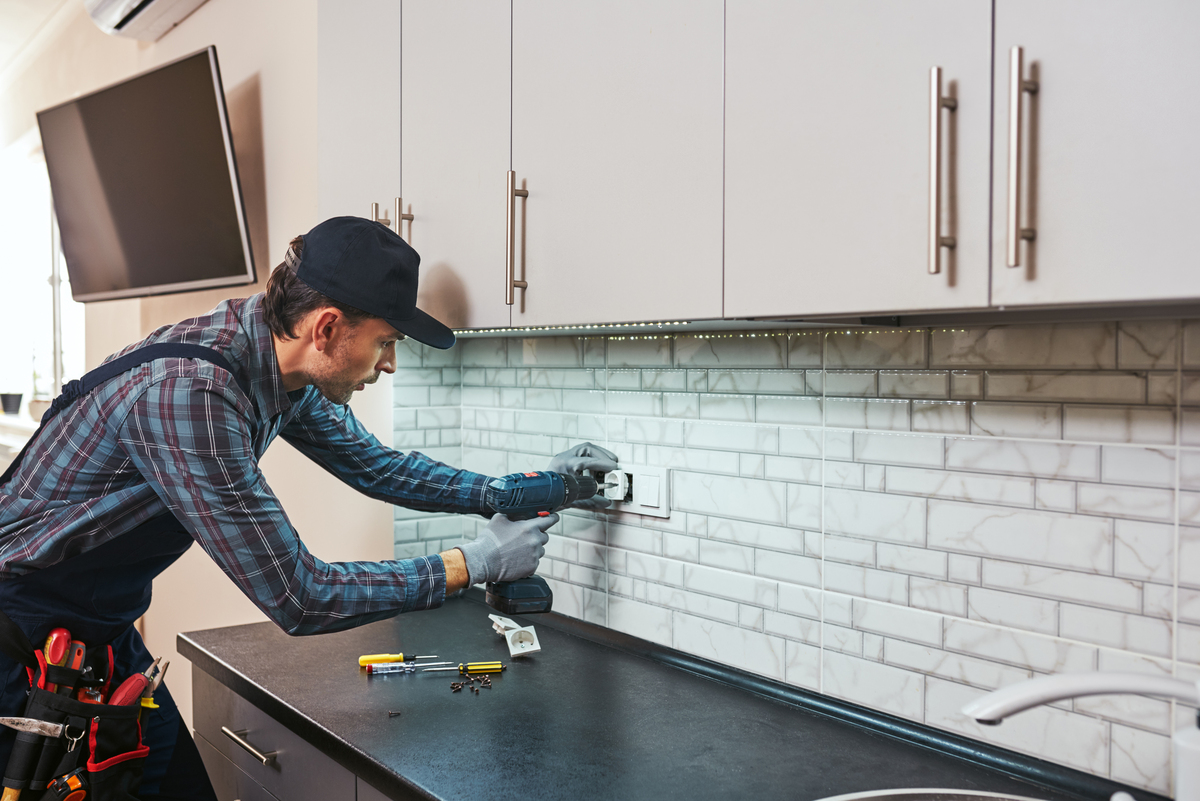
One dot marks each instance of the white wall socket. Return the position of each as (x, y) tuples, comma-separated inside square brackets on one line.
[(640, 490)]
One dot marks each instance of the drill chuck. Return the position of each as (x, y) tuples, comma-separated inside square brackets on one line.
[(521, 496)]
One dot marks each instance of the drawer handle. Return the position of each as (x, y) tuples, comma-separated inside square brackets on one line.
[(267, 758)]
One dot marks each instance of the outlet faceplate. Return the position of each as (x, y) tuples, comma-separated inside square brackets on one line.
[(643, 491)]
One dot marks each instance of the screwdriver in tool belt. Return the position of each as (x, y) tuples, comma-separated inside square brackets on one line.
[(471, 667), (58, 644), (375, 659)]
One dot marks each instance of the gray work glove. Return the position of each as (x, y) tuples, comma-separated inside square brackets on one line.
[(588, 457), (507, 549)]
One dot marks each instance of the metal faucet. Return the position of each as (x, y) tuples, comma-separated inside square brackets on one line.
[(996, 706)]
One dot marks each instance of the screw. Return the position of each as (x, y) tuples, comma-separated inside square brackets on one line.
[(393, 714)]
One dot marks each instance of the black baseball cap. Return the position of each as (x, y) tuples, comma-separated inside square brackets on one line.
[(367, 265)]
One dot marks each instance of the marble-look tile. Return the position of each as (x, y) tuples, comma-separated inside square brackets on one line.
[(782, 382), (814, 382), (731, 350), (652, 431), (546, 352), (653, 569), (548, 400), (751, 617), (900, 348), (733, 408), (897, 621), (913, 384), (914, 561), (874, 477), (1151, 426), (1147, 344), (899, 449), (439, 417), (693, 603), (651, 623), (876, 516), (1161, 389), (790, 468), (1048, 460), (1058, 496), (1015, 611), (1068, 346), (417, 378), (683, 405), (746, 498), (866, 583), (797, 629), (850, 551), (409, 397), (873, 647), (1143, 550), (966, 384), (1146, 713), (595, 351), (645, 404), (1045, 732), (1189, 469), (803, 601), (1008, 646), (838, 445), (854, 384), (805, 348), (1189, 556), (730, 436), (1190, 425), (1044, 538), (1131, 502), (965, 569), (1063, 585), (697, 380), (1067, 386), (937, 596), (681, 547), (941, 417), (1147, 467), (844, 474), (623, 379), (666, 380), (748, 650), (484, 352), (639, 351), (838, 609), (970, 487), (756, 534), (1191, 343), (634, 538), (586, 401), (804, 506), (842, 640), (801, 441), (787, 567), (899, 692), (797, 411), (562, 379), (883, 415), (1141, 758), (726, 556), (1136, 633), (752, 465), (803, 667), (1035, 420), (963, 669)]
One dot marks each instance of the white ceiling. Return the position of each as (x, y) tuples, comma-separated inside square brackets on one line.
[(20, 20)]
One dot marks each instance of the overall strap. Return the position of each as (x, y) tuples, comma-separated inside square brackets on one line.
[(74, 390)]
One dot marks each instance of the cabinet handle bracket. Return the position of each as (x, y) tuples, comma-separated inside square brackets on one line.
[(239, 737)]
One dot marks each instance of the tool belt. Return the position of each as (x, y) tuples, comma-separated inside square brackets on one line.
[(100, 746)]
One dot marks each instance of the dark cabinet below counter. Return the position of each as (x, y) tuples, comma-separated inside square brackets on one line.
[(582, 719)]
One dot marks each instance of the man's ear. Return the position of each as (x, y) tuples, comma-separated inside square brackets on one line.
[(323, 326)]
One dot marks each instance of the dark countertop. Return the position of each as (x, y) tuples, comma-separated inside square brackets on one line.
[(581, 719)]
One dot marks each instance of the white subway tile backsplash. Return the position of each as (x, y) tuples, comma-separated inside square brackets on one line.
[(865, 513)]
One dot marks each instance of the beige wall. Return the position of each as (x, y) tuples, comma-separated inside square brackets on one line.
[(267, 52)]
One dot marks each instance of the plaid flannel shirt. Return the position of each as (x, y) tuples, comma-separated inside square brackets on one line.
[(178, 436)]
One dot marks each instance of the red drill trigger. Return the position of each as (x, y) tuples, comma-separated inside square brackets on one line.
[(543, 514)]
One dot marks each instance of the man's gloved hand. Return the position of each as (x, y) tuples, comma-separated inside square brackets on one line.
[(585, 457), (507, 549)]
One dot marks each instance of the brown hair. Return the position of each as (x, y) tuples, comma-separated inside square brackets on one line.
[(289, 300)]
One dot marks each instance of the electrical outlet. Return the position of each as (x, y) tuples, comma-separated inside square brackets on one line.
[(639, 489)]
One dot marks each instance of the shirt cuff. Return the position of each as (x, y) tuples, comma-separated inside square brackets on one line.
[(425, 580), (472, 495)]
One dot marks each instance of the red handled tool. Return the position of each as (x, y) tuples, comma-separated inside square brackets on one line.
[(72, 787), (75, 655), (58, 643), (130, 691)]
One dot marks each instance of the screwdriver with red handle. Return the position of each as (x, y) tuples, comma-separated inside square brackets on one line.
[(58, 643), (75, 657)]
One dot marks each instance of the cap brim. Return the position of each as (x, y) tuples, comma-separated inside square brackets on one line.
[(425, 330)]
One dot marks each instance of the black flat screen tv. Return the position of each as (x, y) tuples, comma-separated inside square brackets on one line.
[(145, 185)]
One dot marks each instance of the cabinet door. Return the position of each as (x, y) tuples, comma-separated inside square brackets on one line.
[(1111, 174), (827, 155), (617, 138), (455, 109), (358, 107)]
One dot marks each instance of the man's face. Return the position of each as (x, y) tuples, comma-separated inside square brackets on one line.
[(355, 357)]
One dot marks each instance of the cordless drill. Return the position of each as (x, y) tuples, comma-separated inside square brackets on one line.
[(522, 496)]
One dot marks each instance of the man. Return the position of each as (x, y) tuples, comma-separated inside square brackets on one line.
[(119, 483)]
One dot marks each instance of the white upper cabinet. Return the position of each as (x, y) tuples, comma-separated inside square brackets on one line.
[(1109, 186), (455, 118), (828, 156), (616, 136)]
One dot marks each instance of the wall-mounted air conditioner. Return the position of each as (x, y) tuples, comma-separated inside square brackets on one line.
[(147, 20)]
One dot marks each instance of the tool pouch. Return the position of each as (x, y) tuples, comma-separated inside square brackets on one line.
[(104, 739)]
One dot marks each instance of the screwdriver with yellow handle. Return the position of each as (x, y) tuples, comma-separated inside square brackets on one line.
[(471, 667), (377, 659)]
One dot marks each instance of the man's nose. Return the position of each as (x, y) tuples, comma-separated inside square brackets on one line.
[(388, 363)]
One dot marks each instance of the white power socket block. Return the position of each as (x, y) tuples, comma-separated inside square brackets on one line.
[(640, 490)]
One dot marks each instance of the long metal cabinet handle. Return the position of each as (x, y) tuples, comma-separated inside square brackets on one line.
[(237, 736), (936, 103), (401, 217), (1017, 85), (511, 283)]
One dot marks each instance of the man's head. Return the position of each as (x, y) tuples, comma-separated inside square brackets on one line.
[(345, 294)]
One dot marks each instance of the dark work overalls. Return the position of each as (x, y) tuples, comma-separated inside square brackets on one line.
[(98, 595)]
